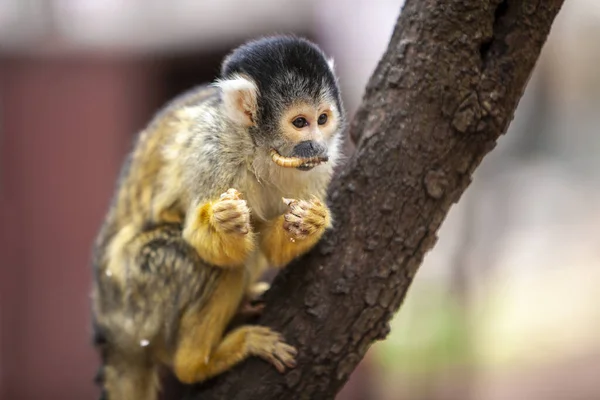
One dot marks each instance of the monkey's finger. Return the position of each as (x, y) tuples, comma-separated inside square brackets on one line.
[(232, 194), (266, 333), (231, 220), (230, 228), (229, 203), (238, 229), (289, 349), (318, 210), (296, 232), (288, 202), (292, 218), (227, 215), (276, 363), (224, 206), (242, 228), (300, 208), (314, 220), (252, 310), (286, 354), (292, 227), (315, 200)]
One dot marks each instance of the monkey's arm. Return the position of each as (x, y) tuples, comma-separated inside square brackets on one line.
[(220, 230), (294, 233)]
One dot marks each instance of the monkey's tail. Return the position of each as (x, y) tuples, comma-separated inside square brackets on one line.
[(131, 377)]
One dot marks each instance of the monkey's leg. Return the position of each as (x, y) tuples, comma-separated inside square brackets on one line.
[(220, 230), (295, 232), (129, 377), (238, 345), (202, 352)]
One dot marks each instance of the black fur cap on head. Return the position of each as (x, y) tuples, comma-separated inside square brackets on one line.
[(284, 68)]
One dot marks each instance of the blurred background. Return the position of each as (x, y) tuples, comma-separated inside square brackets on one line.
[(507, 306)]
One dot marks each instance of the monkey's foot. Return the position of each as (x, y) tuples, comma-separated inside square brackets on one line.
[(247, 312), (270, 346), (305, 218), (253, 306), (250, 310), (231, 213)]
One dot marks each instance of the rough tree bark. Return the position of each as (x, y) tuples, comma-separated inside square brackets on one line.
[(443, 93)]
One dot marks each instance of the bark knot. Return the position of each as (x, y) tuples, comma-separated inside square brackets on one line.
[(435, 183), (468, 114)]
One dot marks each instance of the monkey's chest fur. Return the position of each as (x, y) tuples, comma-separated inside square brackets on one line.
[(266, 186)]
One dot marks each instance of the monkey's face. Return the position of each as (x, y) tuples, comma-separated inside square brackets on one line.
[(296, 121), (305, 134), (284, 92)]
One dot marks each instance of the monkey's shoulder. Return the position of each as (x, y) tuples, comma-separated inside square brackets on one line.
[(183, 127), (193, 97)]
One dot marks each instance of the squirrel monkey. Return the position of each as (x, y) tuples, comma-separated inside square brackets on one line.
[(225, 180)]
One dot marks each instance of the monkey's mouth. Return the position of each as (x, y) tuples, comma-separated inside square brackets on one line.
[(303, 164)]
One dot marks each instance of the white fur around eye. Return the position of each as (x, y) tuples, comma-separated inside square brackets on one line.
[(239, 98)]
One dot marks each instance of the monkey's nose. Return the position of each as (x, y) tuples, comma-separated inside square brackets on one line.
[(308, 149)]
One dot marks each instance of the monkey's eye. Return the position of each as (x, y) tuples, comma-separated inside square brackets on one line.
[(300, 122), (322, 119)]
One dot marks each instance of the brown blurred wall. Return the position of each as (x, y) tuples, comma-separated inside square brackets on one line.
[(65, 124)]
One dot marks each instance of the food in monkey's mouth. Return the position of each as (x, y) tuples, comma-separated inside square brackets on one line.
[(303, 164)]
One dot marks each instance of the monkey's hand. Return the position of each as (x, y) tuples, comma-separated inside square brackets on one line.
[(305, 218), (230, 214), (295, 232), (220, 231)]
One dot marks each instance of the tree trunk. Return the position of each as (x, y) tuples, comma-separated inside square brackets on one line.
[(443, 93)]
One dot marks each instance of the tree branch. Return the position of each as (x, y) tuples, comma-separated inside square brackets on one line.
[(443, 93)]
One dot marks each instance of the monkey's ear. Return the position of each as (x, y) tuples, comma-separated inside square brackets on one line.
[(240, 99), (331, 64)]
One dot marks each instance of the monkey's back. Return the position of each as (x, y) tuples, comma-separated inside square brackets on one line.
[(144, 271), (146, 170)]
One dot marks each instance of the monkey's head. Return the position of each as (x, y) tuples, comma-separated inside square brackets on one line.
[(284, 91)]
